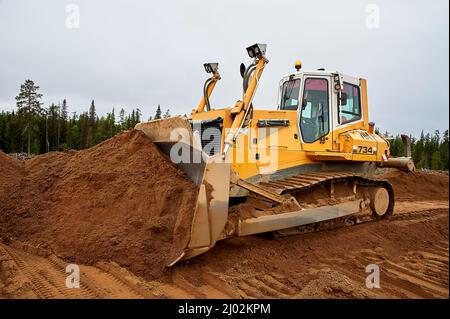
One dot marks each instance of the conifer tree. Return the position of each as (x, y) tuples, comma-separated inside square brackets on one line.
[(158, 113), (29, 107)]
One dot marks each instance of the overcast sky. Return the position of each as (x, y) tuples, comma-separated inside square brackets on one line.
[(144, 53)]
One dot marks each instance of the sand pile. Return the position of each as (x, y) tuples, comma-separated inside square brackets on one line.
[(334, 284), (120, 201), (418, 185), (11, 172)]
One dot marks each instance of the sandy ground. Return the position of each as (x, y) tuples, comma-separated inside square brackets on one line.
[(411, 249)]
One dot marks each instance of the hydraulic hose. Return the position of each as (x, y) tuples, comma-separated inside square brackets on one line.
[(205, 93), (247, 75)]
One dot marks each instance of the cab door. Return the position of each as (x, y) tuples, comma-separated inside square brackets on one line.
[(315, 113)]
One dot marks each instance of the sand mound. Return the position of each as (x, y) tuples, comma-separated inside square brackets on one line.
[(334, 284), (418, 185), (120, 201), (11, 171)]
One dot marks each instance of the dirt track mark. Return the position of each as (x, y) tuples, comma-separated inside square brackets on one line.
[(215, 280), (48, 281), (47, 278), (263, 285), (212, 286), (106, 285), (416, 274), (412, 206)]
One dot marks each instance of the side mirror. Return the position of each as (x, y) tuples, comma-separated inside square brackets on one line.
[(343, 98), (242, 69)]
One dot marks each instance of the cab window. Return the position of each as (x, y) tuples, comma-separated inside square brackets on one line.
[(314, 117), (351, 111), (289, 95)]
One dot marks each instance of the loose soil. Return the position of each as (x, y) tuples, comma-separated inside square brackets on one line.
[(120, 201), (11, 172), (419, 185)]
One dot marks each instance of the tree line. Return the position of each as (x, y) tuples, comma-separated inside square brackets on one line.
[(36, 129)]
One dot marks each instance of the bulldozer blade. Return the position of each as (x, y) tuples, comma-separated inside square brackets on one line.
[(174, 137), (166, 130)]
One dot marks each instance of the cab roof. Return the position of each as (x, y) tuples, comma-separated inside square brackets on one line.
[(313, 72)]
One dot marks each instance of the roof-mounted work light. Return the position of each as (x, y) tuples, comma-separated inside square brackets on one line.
[(256, 50), (211, 67)]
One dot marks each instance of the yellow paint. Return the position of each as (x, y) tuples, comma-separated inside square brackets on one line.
[(242, 106), (202, 104), (365, 104)]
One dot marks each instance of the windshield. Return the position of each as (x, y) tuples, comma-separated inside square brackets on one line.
[(289, 95)]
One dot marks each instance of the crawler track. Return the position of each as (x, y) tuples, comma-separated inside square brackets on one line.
[(303, 185), (307, 181)]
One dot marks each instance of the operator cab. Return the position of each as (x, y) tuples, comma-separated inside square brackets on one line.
[(324, 101)]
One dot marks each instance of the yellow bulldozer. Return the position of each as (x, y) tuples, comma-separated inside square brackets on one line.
[(304, 166)]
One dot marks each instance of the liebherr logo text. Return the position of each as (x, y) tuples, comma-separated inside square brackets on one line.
[(227, 309)]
